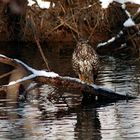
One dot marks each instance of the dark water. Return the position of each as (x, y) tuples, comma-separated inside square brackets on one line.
[(54, 114)]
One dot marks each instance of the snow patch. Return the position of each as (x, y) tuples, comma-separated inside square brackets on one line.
[(30, 2), (89, 6), (1, 55), (41, 4), (129, 22), (107, 42), (123, 45), (105, 3), (22, 80), (34, 72), (45, 74), (74, 79), (110, 40), (38, 72), (132, 1)]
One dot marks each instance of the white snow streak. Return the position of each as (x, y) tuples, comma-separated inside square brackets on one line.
[(41, 4), (38, 72), (105, 3), (34, 72), (129, 23)]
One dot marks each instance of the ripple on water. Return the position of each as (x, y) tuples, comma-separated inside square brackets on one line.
[(48, 117)]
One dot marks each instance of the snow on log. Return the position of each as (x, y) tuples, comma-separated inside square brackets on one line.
[(126, 34), (106, 3), (51, 78)]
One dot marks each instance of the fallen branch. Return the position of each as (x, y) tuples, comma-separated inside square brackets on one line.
[(5, 75), (111, 40), (54, 79), (123, 35)]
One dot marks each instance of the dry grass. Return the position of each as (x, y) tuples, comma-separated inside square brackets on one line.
[(69, 21)]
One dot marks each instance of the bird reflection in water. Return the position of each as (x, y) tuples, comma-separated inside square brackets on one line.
[(88, 124)]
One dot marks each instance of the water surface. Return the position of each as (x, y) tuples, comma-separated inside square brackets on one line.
[(54, 114)]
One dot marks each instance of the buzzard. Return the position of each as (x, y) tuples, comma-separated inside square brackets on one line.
[(85, 62)]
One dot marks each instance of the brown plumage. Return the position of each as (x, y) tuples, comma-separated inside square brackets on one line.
[(85, 62)]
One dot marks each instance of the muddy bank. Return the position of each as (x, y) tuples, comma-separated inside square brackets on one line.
[(67, 21)]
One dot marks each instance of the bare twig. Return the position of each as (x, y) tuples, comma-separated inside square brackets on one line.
[(92, 31), (35, 33), (61, 24), (73, 29), (63, 9), (75, 25), (42, 54), (6, 74), (66, 24)]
